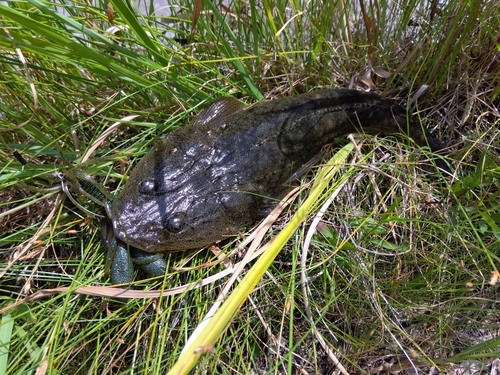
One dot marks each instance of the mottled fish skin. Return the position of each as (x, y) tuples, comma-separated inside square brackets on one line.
[(206, 181)]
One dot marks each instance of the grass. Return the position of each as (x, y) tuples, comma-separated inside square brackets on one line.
[(400, 268)]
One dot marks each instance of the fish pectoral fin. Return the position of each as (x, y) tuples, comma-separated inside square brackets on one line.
[(266, 208), (304, 168)]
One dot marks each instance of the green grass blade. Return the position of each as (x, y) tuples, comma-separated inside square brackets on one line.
[(132, 21), (232, 54), (6, 331)]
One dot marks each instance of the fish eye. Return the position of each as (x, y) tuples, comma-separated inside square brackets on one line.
[(175, 222), (149, 186)]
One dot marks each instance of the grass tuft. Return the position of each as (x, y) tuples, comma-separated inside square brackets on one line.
[(397, 272)]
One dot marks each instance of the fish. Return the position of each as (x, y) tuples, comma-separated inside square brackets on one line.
[(207, 181)]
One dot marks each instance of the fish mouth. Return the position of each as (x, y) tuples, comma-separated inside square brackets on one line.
[(137, 223), (135, 231), (147, 242)]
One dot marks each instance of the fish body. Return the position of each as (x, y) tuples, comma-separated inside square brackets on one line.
[(207, 181)]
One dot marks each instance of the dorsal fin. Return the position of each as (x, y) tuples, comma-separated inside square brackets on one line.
[(218, 111)]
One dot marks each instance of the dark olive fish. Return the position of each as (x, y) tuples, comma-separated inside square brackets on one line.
[(207, 181)]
